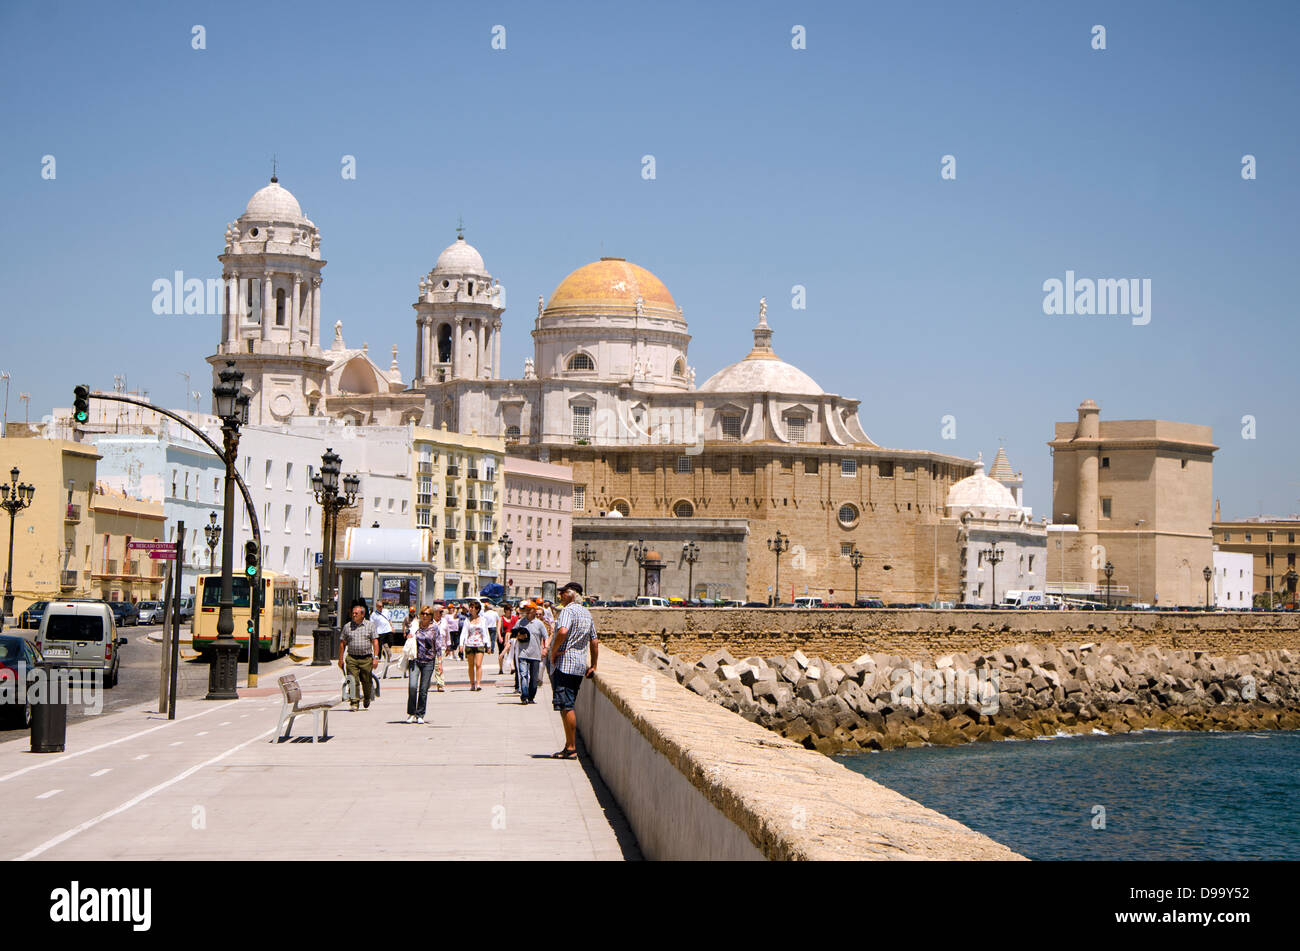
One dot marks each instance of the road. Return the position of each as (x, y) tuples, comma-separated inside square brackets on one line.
[(139, 674)]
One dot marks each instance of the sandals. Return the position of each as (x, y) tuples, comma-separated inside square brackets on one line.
[(565, 754)]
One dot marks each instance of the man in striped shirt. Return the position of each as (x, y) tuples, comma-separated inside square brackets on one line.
[(575, 633)]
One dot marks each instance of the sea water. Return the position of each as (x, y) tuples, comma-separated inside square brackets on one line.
[(1147, 795)]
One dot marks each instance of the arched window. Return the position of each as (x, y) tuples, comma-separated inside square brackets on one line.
[(684, 509), (444, 343), (848, 515), (279, 307), (622, 508), (581, 361), (679, 368)]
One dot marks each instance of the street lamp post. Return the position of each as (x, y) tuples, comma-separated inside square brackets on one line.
[(1138, 526), (1108, 570), (639, 551), (15, 497), (1207, 573), (855, 559), (231, 405), (506, 543), (325, 484), (780, 543), (993, 556), (213, 532), (586, 554), (691, 552)]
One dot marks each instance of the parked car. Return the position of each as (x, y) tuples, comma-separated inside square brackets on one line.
[(124, 613), (83, 635), (651, 602), (808, 602), (31, 618), (755, 604), (149, 612), (17, 657), (187, 608), (870, 603), (308, 609)]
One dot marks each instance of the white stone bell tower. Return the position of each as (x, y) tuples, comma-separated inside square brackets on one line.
[(458, 319), (271, 326)]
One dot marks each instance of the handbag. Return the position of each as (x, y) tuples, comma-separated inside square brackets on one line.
[(409, 648)]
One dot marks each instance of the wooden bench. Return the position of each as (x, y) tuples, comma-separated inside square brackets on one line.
[(292, 707)]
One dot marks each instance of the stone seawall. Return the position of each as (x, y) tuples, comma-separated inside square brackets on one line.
[(840, 636), (697, 782), (884, 701)]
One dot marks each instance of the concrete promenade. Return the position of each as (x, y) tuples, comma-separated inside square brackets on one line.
[(475, 782)]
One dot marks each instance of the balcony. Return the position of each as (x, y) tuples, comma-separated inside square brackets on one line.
[(471, 473), (449, 533), (73, 515), (424, 468), (67, 580), (471, 503), (486, 504), (453, 470), (471, 535), (451, 502)]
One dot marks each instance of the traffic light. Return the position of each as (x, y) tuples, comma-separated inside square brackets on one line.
[(81, 403), (250, 559)]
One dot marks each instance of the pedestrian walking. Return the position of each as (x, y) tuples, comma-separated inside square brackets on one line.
[(509, 619), (384, 631), (422, 670), (358, 646), (442, 641), (575, 636), (475, 640), (530, 641), (495, 638)]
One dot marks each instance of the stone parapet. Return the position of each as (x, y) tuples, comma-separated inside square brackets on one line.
[(696, 782), (842, 635)]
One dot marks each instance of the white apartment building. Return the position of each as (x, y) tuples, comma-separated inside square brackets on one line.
[(1234, 579)]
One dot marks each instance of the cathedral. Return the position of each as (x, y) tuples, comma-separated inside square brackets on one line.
[(610, 392)]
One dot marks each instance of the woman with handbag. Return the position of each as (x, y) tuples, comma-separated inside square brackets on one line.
[(421, 653)]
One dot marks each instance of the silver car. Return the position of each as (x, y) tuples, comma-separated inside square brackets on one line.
[(81, 635), (151, 612)]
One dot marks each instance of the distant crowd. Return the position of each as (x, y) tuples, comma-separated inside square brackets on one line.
[(525, 636)]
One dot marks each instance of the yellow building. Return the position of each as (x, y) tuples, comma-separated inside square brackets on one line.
[(118, 573), (1272, 543), (1135, 494), (53, 536), (459, 484)]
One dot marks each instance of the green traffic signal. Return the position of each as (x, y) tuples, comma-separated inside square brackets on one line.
[(81, 403), (250, 559)]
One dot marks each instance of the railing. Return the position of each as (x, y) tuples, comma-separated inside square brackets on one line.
[(471, 473), (471, 503), (68, 579), (471, 535), (73, 514), (453, 470), (449, 533), (451, 502)]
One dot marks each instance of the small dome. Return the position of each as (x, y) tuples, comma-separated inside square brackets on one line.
[(762, 375), (461, 257), (274, 203), (978, 491), (654, 556)]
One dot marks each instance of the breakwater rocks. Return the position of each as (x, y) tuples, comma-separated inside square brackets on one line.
[(886, 701)]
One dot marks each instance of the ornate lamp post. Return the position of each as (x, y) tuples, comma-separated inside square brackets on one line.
[(1290, 578), (855, 559), (1108, 570), (506, 543), (779, 544), (213, 532), (1207, 573), (586, 554), (691, 552), (231, 405), (15, 497), (325, 484), (993, 556), (639, 551)]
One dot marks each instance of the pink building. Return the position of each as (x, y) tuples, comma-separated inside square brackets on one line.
[(538, 511)]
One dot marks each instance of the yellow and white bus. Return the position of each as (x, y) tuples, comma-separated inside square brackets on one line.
[(277, 625)]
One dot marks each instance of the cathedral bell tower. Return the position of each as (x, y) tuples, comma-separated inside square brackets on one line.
[(271, 268), (458, 319)]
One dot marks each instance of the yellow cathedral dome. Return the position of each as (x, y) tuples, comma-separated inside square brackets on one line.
[(612, 284)]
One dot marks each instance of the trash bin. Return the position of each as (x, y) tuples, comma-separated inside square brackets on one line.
[(50, 712)]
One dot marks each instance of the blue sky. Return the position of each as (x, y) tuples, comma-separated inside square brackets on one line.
[(774, 167)]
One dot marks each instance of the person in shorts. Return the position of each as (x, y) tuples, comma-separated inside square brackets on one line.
[(476, 642), (575, 635)]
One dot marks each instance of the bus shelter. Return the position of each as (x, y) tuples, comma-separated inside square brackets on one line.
[(394, 566)]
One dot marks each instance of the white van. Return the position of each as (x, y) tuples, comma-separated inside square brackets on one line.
[(808, 602), (81, 635), (651, 602), (1024, 599)]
